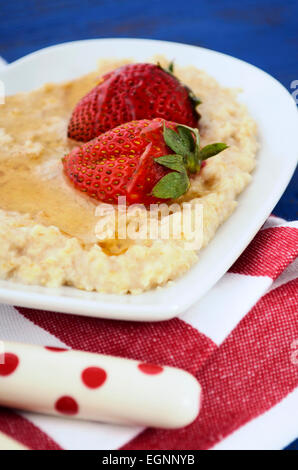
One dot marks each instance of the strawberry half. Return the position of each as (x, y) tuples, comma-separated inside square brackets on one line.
[(145, 161), (133, 92)]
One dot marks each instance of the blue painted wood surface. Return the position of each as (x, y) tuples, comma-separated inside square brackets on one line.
[(263, 32)]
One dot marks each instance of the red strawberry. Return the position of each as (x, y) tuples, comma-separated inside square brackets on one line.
[(133, 92), (146, 161)]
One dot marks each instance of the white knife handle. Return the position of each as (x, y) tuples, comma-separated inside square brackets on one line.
[(96, 387)]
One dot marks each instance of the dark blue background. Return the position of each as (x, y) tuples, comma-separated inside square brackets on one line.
[(263, 32)]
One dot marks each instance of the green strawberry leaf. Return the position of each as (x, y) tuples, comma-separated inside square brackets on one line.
[(211, 150), (170, 68), (175, 142), (171, 186), (187, 137), (187, 158), (193, 98), (191, 137), (174, 162)]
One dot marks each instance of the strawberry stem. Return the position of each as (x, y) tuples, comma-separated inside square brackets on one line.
[(188, 158)]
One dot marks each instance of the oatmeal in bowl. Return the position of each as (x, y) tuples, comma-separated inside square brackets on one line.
[(152, 134)]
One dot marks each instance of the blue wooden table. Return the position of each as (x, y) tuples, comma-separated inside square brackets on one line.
[(262, 32)]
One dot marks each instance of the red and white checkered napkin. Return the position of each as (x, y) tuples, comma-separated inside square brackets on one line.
[(240, 341)]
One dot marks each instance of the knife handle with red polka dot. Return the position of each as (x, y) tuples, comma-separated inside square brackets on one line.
[(96, 387)]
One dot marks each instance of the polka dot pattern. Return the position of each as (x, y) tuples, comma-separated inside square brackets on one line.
[(75, 379), (94, 377), (150, 369), (55, 349), (67, 405), (11, 362)]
